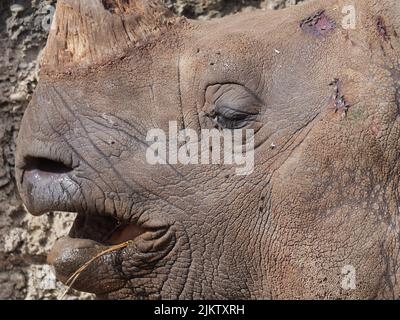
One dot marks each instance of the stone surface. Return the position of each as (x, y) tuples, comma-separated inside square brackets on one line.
[(25, 240)]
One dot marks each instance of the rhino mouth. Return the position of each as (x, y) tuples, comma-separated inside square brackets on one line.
[(104, 230), (92, 234), (51, 185)]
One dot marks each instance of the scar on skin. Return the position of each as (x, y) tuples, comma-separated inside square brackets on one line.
[(382, 30), (318, 25), (339, 101)]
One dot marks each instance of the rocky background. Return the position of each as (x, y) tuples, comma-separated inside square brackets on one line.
[(24, 240)]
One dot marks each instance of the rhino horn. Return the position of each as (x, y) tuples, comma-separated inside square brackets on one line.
[(88, 32)]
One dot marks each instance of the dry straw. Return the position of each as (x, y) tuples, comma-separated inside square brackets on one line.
[(71, 280)]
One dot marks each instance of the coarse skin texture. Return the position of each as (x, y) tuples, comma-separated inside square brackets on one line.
[(325, 188)]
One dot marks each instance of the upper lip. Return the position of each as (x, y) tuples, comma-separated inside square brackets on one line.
[(46, 184)]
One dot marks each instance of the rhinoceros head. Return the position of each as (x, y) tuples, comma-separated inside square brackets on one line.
[(122, 130)]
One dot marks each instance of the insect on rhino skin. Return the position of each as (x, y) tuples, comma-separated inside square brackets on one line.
[(322, 100)]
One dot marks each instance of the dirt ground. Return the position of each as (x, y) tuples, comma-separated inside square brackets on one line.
[(24, 240)]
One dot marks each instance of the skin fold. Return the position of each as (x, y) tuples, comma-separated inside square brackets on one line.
[(324, 102)]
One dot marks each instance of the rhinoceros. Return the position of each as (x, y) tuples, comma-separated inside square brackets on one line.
[(317, 85)]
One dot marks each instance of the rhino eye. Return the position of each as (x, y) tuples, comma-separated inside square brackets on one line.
[(232, 106), (232, 119)]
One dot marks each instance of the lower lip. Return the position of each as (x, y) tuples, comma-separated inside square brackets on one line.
[(120, 235), (70, 255), (65, 245)]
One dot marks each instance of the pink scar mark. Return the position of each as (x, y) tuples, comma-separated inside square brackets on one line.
[(318, 25)]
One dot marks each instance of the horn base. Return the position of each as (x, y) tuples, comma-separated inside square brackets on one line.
[(90, 32)]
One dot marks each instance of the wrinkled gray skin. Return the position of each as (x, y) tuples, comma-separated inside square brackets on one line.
[(326, 196)]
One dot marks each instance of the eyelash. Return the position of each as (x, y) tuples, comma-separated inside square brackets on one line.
[(227, 122)]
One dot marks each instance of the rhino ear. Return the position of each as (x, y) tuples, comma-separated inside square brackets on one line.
[(87, 32)]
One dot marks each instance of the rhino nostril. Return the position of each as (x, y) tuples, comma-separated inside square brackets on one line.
[(45, 165)]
